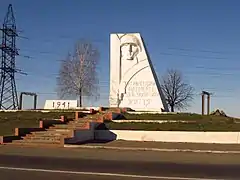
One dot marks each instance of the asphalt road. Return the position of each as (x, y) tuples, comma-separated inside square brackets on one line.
[(37, 168)]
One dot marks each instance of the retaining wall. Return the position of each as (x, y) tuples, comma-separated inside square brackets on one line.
[(83, 135), (170, 136)]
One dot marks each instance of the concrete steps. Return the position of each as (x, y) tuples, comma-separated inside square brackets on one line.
[(45, 138), (50, 138), (55, 135), (42, 141), (50, 133), (79, 122), (35, 144), (59, 130), (89, 117), (72, 125)]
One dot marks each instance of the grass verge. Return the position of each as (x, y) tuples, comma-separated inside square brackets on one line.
[(176, 126), (10, 120), (179, 116)]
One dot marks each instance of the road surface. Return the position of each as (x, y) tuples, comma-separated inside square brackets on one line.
[(38, 168)]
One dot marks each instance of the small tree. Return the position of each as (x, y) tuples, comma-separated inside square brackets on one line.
[(78, 72), (177, 92)]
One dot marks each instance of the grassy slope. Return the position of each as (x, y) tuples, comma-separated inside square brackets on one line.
[(11, 120), (175, 126), (179, 116), (195, 122)]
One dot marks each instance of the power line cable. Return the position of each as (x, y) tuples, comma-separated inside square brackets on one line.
[(202, 51), (187, 55)]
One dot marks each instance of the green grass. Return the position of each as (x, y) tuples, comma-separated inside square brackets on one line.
[(178, 116), (168, 126), (10, 120)]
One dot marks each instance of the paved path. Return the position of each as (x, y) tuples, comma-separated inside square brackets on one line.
[(37, 168)]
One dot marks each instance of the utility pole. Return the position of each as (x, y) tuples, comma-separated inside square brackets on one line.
[(205, 93), (8, 90)]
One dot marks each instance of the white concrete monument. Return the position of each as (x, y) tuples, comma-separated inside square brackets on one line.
[(133, 81)]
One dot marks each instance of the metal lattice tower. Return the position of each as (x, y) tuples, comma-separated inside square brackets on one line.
[(8, 91)]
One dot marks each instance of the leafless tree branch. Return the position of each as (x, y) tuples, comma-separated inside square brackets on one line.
[(177, 92), (78, 72)]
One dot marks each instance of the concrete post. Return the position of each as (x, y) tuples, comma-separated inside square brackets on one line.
[(35, 102), (203, 96), (208, 104), (20, 101)]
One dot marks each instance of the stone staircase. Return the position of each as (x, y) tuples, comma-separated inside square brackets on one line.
[(56, 135)]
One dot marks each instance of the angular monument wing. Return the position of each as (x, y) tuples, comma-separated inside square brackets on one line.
[(133, 81)]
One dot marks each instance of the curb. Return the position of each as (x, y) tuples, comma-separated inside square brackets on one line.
[(151, 149)]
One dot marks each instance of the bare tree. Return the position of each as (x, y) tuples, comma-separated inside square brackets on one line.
[(178, 93), (78, 72)]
